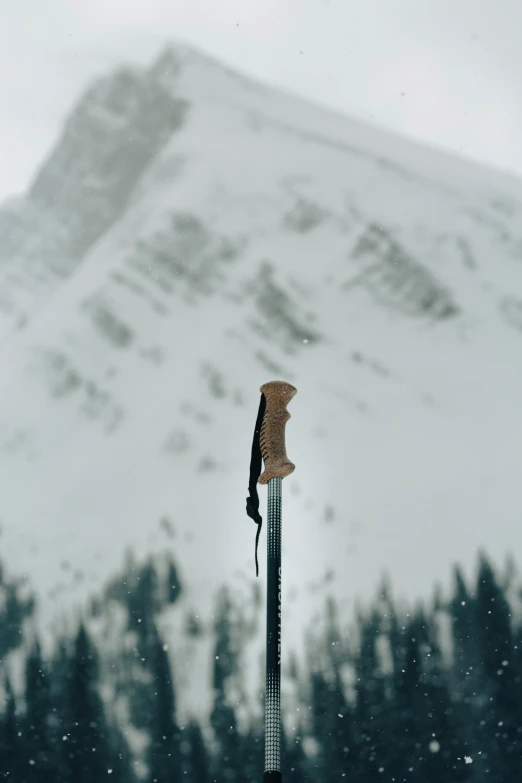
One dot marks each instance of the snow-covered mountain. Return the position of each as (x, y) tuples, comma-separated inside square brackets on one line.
[(193, 235)]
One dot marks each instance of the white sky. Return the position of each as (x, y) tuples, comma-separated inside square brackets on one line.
[(447, 72)]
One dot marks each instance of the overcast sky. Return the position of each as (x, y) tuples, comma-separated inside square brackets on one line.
[(447, 72)]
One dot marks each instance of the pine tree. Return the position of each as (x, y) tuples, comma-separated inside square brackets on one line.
[(439, 747), (500, 713), (59, 672), (224, 724), (371, 702), (16, 607), (295, 762), (397, 724), (164, 755), (332, 723), (86, 751), (331, 718), (121, 762), (197, 761), (39, 744), (465, 671), (253, 753), (11, 740), (143, 604), (229, 762), (465, 657), (174, 589)]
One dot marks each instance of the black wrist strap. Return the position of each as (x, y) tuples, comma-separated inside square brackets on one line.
[(252, 501)]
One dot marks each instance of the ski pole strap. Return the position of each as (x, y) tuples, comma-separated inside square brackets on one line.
[(252, 501), (269, 444)]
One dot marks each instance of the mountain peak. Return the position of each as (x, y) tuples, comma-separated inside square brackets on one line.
[(177, 54), (118, 126), (201, 76), (217, 232), (180, 53)]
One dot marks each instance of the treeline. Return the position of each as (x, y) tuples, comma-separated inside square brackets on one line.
[(425, 695)]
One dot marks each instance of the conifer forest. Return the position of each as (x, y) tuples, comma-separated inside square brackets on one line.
[(404, 693)]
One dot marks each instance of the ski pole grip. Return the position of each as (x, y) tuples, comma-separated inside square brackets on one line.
[(272, 436)]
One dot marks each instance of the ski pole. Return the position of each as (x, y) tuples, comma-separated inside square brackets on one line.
[(269, 442)]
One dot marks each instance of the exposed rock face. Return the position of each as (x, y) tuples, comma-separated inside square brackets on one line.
[(117, 128), (398, 280)]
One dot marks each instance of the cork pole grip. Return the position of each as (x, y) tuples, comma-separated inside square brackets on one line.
[(272, 437)]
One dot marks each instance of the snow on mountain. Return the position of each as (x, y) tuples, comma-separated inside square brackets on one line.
[(194, 234)]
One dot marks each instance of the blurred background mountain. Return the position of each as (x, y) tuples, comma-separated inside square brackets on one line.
[(192, 235)]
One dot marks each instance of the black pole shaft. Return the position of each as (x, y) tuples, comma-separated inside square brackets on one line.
[(272, 772)]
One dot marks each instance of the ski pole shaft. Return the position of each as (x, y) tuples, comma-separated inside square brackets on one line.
[(273, 636), (277, 465)]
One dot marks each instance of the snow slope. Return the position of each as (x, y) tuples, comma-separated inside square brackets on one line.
[(194, 235)]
